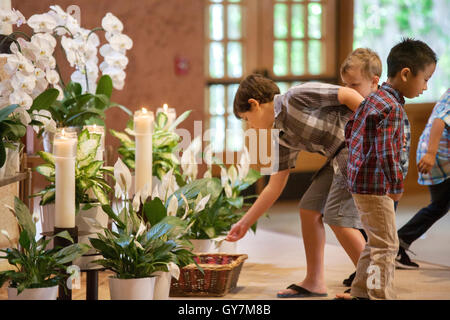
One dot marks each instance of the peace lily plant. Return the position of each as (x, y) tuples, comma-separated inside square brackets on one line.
[(35, 83), (89, 174), (139, 248), (35, 265)]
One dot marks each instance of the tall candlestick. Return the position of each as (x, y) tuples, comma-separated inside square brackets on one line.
[(5, 28), (64, 151), (170, 113), (143, 128)]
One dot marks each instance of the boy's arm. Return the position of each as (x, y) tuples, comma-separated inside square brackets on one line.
[(350, 97), (427, 162), (388, 150), (266, 199)]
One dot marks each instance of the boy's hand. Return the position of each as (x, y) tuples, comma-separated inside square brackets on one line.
[(237, 232), (395, 196), (426, 163)]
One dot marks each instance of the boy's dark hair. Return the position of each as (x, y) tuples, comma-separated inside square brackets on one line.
[(254, 86), (412, 54)]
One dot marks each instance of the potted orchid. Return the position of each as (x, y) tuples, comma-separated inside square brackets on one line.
[(141, 251), (38, 270), (43, 92)]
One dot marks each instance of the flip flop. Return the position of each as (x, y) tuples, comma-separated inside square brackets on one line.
[(301, 293)]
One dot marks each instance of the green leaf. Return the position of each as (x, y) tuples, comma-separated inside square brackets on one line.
[(179, 120), (210, 232), (6, 111), (45, 100), (48, 197), (105, 86), (70, 253), (47, 170), (2, 154), (24, 240), (92, 169), (100, 195), (24, 217), (64, 235), (155, 211), (236, 202), (109, 211), (47, 157)]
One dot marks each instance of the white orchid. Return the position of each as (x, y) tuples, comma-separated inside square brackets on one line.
[(116, 60), (12, 17), (111, 23), (44, 117), (18, 62), (52, 76), (123, 177), (23, 115), (23, 82), (42, 22), (117, 77), (21, 98), (119, 42)]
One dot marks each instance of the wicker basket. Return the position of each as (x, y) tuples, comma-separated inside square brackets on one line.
[(221, 273)]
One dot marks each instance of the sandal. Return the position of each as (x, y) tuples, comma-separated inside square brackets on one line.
[(300, 293)]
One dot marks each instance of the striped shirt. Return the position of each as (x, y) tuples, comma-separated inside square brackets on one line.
[(376, 138), (309, 117), (441, 170)]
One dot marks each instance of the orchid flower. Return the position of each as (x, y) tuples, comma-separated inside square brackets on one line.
[(42, 22), (111, 24)]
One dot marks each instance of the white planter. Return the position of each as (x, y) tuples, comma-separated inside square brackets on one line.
[(162, 285), (49, 293), (132, 289), (202, 245)]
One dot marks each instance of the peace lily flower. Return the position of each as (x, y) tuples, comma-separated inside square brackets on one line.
[(123, 177), (173, 206), (201, 204), (244, 164), (188, 159)]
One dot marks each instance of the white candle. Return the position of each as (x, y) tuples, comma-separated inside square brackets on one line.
[(170, 113), (64, 151), (143, 128), (100, 130), (5, 28)]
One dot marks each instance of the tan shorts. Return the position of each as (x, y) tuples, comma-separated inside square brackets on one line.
[(328, 194)]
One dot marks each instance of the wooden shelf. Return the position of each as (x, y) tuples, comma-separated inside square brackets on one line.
[(16, 178)]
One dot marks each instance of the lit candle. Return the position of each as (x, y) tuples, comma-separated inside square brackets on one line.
[(5, 28), (100, 130), (170, 113), (64, 151), (143, 128)]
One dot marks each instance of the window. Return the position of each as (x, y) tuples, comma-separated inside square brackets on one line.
[(380, 24), (288, 40)]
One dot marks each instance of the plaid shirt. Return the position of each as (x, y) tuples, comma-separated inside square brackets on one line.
[(441, 169), (375, 136), (310, 117)]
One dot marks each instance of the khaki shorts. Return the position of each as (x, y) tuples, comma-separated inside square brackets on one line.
[(328, 194)]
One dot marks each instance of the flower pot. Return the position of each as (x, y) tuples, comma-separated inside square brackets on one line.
[(49, 293), (202, 245), (132, 289), (90, 221), (162, 285)]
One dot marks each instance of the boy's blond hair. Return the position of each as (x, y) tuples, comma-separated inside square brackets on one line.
[(365, 58)]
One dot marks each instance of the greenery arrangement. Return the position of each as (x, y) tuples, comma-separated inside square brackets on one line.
[(165, 143), (36, 267), (141, 246), (89, 173), (11, 130)]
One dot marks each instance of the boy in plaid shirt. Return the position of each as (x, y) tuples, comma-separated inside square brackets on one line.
[(375, 137)]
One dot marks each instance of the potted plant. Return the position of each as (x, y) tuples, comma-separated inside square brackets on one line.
[(38, 270), (36, 83), (91, 188), (136, 249), (11, 131)]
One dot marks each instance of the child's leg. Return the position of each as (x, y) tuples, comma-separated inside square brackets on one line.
[(351, 240), (375, 270), (426, 217)]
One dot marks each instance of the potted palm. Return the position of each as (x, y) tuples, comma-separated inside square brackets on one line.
[(91, 189), (38, 270), (137, 249)]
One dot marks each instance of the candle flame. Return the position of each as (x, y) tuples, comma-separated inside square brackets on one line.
[(62, 132), (144, 110), (95, 126), (165, 107)]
